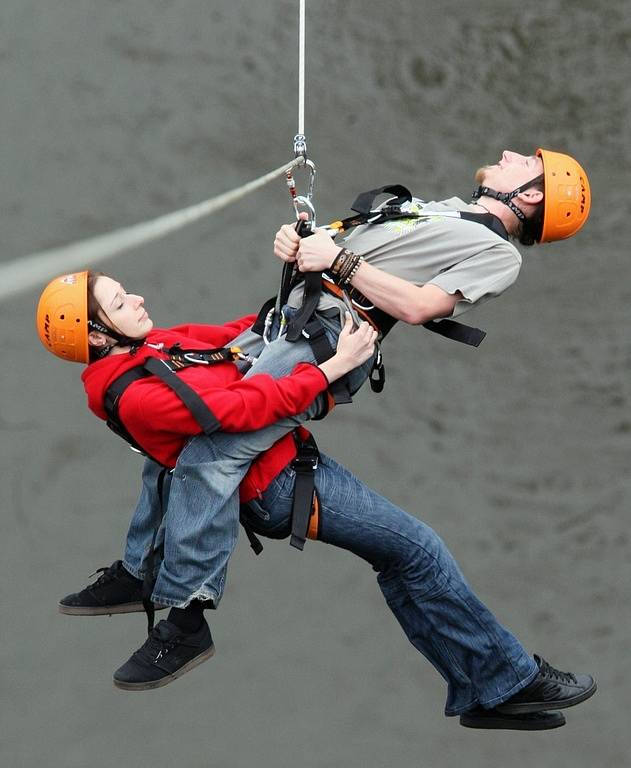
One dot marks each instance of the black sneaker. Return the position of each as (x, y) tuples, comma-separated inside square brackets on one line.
[(551, 689), (491, 718), (115, 591), (166, 655)]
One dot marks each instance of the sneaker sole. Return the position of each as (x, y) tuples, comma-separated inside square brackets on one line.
[(536, 721), (168, 678), (104, 610), (542, 706)]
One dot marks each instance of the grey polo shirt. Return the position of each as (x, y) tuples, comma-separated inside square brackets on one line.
[(438, 248)]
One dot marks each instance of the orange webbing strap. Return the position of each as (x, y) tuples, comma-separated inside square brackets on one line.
[(335, 289), (314, 522)]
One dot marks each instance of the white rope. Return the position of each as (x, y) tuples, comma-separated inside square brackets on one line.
[(301, 70), (34, 270)]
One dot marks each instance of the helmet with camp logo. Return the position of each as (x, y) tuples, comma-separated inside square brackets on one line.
[(62, 317), (567, 196)]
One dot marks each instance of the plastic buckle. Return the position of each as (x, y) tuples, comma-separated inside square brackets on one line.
[(306, 463)]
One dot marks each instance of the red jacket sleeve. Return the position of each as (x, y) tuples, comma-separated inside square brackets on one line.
[(217, 335), (240, 406)]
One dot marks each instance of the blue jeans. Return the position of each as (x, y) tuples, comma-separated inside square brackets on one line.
[(481, 661), (201, 520)]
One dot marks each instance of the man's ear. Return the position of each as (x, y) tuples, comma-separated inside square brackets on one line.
[(531, 196), (96, 339)]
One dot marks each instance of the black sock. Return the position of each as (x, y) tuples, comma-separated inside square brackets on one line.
[(188, 619)]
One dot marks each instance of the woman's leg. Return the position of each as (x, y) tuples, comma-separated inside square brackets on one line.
[(481, 661), (145, 518)]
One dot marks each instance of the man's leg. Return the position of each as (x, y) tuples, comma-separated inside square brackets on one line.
[(482, 662)]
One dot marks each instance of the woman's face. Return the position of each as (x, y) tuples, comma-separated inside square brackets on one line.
[(123, 312)]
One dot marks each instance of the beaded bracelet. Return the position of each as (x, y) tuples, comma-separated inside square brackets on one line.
[(353, 271)]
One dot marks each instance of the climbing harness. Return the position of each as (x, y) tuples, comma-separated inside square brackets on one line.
[(306, 323)]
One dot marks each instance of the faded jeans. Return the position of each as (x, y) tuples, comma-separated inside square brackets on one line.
[(482, 662)]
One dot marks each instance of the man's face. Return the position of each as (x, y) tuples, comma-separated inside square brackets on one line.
[(510, 172)]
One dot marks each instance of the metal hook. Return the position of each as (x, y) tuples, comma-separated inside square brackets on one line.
[(304, 202)]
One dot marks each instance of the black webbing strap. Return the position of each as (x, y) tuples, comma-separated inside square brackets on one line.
[(451, 329), (149, 580), (287, 280), (315, 334), (259, 323), (112, 399), (305, 465), (202, 414), (310, 301), (254, 540), (364, 201), (488, 220)]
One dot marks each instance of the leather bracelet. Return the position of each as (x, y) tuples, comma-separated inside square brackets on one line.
[(342, 266), (339, 261)]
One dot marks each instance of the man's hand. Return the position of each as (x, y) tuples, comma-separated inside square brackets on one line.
[(311, 254), (286, 243), (316, 252)]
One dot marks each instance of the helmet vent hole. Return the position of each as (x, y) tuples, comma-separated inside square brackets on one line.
[(62, 317), (567, 214), (77, 320)]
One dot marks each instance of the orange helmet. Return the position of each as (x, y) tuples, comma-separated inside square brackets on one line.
[(62, 317), (567, 196)]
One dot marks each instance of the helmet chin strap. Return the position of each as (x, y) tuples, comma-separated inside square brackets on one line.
[(506, 197), (121, 341)]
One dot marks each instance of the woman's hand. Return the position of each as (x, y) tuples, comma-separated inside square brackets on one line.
[(354, 347)]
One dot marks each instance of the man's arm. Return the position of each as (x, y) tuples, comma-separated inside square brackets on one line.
[(407, 302), (410, 303)]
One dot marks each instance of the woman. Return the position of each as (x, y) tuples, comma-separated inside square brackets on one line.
[(83, 316)]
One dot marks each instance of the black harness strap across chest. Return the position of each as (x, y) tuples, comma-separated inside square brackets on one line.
[(154, 366)]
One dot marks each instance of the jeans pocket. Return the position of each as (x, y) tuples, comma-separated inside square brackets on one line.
[(281, 489)]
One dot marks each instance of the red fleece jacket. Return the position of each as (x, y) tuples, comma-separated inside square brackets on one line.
[(159, 421)]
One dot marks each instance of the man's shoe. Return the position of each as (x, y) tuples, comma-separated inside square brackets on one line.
[(115, 591), (491, 718), (551, 689), (166, 655)]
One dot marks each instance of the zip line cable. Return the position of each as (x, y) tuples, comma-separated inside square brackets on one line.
[(31, 271), (301, 70)]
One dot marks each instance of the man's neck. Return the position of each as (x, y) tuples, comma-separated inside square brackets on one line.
[(503, 213)]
